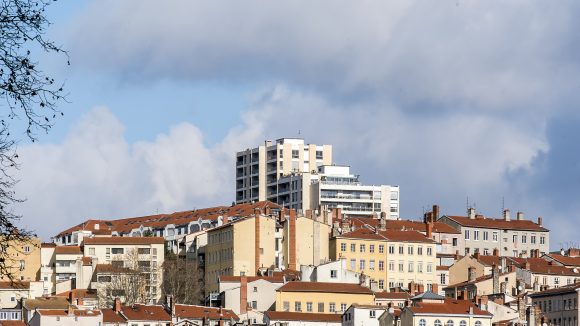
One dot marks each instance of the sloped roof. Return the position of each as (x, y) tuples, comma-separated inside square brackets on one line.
[(324, 287), (76, 312), (449, 306), (110, 316), (303, 316), (200, 312), (123, 240), (387, 235), (498, 223), (411, 225), (561, 290), (15, 285), (565, 260), (125, 225), (392, 295), (145, 312), (68, 250), (428, 295), (46, 303), (237, 279)]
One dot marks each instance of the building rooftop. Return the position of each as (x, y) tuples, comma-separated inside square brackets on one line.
[(237, 279), (557, 291), (324, 287), (123, 240), (448, 307), (410, 225), (111, 316), (46, 303), (201, 312), (387, 235), (392, 295), (75, 312), (68, 250), (145, 312), (303, 316), (565, 260), (497, 223)]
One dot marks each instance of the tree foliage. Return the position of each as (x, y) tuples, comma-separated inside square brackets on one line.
[(182, 280), (28, 98)]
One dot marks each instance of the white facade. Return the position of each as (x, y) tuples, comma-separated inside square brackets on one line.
[(331, 272), (362, 315)]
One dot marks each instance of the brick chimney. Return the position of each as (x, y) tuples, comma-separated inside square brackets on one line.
[(496, 252), (506, 214), (243, 294), (383, 221), (292, 240), (539, 220), (257, 211), (308, 213), (117, 305), (435, 215), (429, 230), (495, 277), (520, 216), (256, 243), (435, 288), (471, 213)]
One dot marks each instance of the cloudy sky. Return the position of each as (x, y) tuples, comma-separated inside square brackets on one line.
[(448, 99)]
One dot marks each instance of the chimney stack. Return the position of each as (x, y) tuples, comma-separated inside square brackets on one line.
[(383, 221), (267, 210), (471, 213), (435, 215), (292, 240), (506, 214), (429, 230), (495, 277), (495, 252), (117, 305), (520, 216), (539, 220), (243, 294), (257, 211)]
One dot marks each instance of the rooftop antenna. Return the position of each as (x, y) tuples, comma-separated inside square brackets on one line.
[(502, 205), (467, 203)]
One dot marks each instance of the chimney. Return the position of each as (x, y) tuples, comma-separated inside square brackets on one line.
[(539, 220), (506, 214), (257, 211), (435, 215), (470, 274), (267, 210), (520, 216), (495, 277), (256, 244), (383, 221), (527, 265), (471, 310), (243, 294), (71, 296), (292, 240), (339, 213), (495, 252), (226, 219), (464, 295), (476, 255), (420, 288), (117, 305), (471, 213), (281, 216), (429, 230)]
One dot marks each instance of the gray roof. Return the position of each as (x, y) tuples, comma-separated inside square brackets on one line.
[(428, 295)]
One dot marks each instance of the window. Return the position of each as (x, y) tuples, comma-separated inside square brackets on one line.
[(391, 266), (478, 323), (542, 240), (286, 306), (429, 268), (410, 250), (466, 234), (372, 314), (343, 247), (382, 249), (352, 247), (467, 250), (343, 307), (92, 251), (254, 304), (443, 279), (420, 251), (362, 248), (319, 155), (22, 265), (422, 322), (476, 235), (524, 239), (494, 236), (309, 306), (401, 266), (372, 264), (255, 289), (449, 322), (294, 153), (332, 307), (333, 273), (297, 306), (353, 264), (411, 267), (454, 242), (419, 267), (401, 250), (463, 323), (26, 249), (144, 251), (556, 281), (320, 307), (381, 284), (381, 265), (391, 249), (437, 322), (485, 235), (533, 239), (362, 264), (371, 248), (515, 238), (117, 251), (429, 251)]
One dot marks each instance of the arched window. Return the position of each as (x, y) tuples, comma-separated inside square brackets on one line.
[(449, 322), (437, 322), (463, 323), (422, 322), (478, 323)]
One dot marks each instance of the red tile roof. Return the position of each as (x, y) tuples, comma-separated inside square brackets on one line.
[(12, 323), (498, 223), (438, 227), (68, 250), (123, 240), (46, 303), (388, 235), (15, 285), (449, 307), (561, 290), (303, 316), (392, 295), (200, 312), (324, 287), (143, 312), (125, 225), (47, 245), (565, 260), (76, 312), (110, 316), (237, 279), (79, 293)]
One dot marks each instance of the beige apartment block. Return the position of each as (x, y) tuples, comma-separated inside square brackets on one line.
[(496, 283), (389, 257), (259, 169), (558, 306), (47, 267), (22, 260)]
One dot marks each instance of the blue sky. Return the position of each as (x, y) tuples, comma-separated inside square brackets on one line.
[(448, 99)]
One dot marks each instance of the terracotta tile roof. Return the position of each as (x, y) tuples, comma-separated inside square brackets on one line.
[(289, 274), (369, 306), (477, 280), (450, 307), (79, 293), (87, 261), (303, 316), (76, 312), (237, 279), (15, 285), (68, 250), (442, 268), (123, 240), (324, 287), (108, 269), (143, 312), (12, 323), (46, 303), (125, 225), (561, 290), (565, 260), (110, 316), (392, 295), (200, 312), (388, 235), (498, 223), (537, 267), (438, 227), (47, 245)]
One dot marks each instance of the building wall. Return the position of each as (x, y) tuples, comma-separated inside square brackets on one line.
[(47, 269), (22, 259), (262, 292), (459, 270), (559, 309), (362, 316), (326, 298), (312, 239), (409, 319), (39, 320)]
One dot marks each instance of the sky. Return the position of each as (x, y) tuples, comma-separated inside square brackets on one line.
[(457, 102)]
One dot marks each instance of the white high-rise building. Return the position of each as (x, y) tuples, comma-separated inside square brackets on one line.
[(302, 176)]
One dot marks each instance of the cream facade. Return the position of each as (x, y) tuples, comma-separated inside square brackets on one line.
[(22, 260), (259, 169)]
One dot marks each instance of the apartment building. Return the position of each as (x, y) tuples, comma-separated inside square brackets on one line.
[(319, 297), (389, 257), (358, 314), (284, 318), (512, 237), (282, 240), (558, 306), (336, 187), (143, 254), (568, 258), (543, 274), (21, 259), (496, 283), (259, 169)]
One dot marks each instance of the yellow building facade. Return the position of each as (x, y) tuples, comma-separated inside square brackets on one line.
[(22, 260), (390, 258)]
